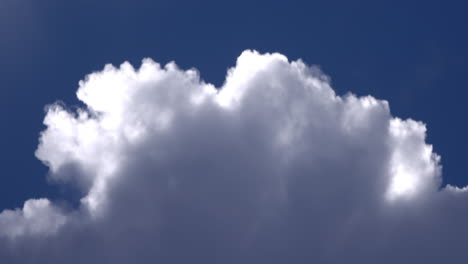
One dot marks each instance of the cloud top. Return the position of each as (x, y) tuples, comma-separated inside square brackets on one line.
[(271, 166)]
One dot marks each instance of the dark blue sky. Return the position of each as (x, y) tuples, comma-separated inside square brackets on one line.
[(412, 54)]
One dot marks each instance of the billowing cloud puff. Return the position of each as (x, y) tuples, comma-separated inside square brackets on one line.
[(272, 167)]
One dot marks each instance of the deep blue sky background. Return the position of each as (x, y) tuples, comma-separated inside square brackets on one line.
[(412, 54)]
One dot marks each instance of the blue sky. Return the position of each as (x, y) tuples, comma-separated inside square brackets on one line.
[(412, 54)]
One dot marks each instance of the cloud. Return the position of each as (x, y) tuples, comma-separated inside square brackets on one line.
[(271, 167)]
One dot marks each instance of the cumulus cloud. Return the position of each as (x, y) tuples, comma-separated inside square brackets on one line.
[(271, 167)]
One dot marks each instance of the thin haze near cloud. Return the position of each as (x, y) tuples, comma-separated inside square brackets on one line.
[(271, 167)]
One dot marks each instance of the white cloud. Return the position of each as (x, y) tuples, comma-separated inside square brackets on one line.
[(273, 166), (37, 217)]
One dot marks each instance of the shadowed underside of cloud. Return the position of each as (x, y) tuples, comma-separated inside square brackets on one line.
[(273, 167)]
